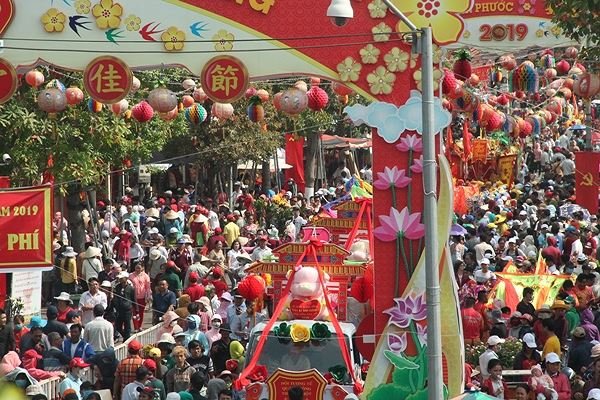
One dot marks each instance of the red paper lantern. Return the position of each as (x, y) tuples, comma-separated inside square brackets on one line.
[(187, 101), (361, 290), (474, 80), (120, 107), (550, 73), (277, 101), (562, 67), (508, 62), (503, 99), (315, 81), (341, 89), (263, 95), (569, 83), (52, 100), (525, 128), (74, 95), (586, 85), (252, 287), (34, 78), (317, 98), (494, 122), (171, 115), (566, 92), (162, 100), (571, 52), (222, 110), (142, 112), (199, 95), (294, 101)]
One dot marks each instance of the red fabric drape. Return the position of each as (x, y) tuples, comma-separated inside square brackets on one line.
[(294, 156), (466, 140)]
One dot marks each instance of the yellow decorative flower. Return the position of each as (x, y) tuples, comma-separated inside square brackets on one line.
[(173, 39), (437, 55), (381, 32), (377, 9), (133, 22), (369, 54), (396, 60), (53, 20), (349, 70), (437, 76), (381, 81), (442, 15), (108, 14), (224, 40), (466, 34), (83, 6), (539, 33), (556, 31), (299, 333)]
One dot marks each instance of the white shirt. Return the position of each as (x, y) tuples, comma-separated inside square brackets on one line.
[(130, 391), (567, 166), (91, 268), (259, 254), (482, 277), (576, 248), (99, 334), (90, 300), (213, 220)]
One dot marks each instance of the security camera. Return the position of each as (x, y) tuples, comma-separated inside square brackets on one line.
[(340, 11), (6, 158)]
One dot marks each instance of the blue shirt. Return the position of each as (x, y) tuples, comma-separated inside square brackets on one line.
[(71, 382), (162, 301)]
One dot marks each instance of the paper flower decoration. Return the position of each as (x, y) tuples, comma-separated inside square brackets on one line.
[(173, 39), (282, 332), (83, 6), (132, 23), (377, 9), (108, 14), (391, 178), (381, 32), (407, 309), (369, 54), (349, 70), (53, 20), (319, 332), (399, 224), (397, 60), (299, 333), (224, 40), (437, 76), (381, 81)]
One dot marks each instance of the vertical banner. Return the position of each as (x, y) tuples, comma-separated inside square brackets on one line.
[(587, 164), (26, 228), (506, 169), (27, 286), (480, 150), (294, 156)]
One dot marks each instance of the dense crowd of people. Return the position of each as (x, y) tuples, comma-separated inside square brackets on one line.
[(530, 229)]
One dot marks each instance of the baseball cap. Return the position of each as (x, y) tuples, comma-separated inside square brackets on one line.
[(485, 260), (552, 358), (153, 352), (150, 363), (578, 332), (123, 274), (529, 340), (78, 362), (594, 394), (494, 340), (134, 345)]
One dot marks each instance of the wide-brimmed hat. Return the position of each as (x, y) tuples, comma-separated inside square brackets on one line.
[(560, 305), (64, 296), (171, 215), (243, 240), (152, 212), (154, 254), (166, 338), (69, 252), (123, 274), (200, 219), (92, 252), (204, 300), (244, 258)]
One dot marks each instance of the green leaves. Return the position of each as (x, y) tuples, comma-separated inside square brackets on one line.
[(400, 361), (579, 21)]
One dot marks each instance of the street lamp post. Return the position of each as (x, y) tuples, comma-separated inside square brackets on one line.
[(424, 45)]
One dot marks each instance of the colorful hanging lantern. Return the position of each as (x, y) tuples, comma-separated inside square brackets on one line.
[(120, 107), (135, 85), (250, 92), (494, 122), (508, 62), (277, 101), (449, 82), (74, 96), (301, 85), (256, 112), (550, 73), (586, 85), (263, 95), (341, 89), (52, 100), (555, 108), (315, 81), (317, 98), (187, 101), (568, 83), (571, 52), (524, 78), (562, 67), (294, 101), (566, 92), (34, 78), (142, 112), (547, 61), (503, 99), (525, 128), (574, 72), (496, 77), (169, 116), (222, 111), (192, 114), (162, 100), (199, 95), (94, 106), (474, 80), (188, 84)]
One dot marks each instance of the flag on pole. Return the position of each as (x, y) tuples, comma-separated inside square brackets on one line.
[(294, 156), (541, 268)]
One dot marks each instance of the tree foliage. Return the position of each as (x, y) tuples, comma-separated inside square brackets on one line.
[(579, 21)]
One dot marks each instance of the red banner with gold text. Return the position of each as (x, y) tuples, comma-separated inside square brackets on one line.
[(587, 164), (26, 228)]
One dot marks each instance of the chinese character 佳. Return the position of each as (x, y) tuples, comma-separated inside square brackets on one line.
[(107, 80), (224, 79)]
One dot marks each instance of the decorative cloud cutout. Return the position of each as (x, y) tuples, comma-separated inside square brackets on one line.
[(391, 121)]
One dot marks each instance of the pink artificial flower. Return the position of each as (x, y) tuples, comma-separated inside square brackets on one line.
[(396, 343), (410, 142), (398, 225), (407, 309), (417, 166), (391, 178)]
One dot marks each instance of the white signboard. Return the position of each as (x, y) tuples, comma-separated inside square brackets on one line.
[(27, 285)]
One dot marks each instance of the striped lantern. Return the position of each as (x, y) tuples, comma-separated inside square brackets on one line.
[(547, 61), (524, 78)]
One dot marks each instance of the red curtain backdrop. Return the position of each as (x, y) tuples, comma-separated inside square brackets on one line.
[(294, 156)]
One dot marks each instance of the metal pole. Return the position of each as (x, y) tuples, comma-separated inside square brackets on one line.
[(400, 15), (434, 337)]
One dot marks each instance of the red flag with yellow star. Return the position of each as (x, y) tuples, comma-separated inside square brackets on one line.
[(294, 156)]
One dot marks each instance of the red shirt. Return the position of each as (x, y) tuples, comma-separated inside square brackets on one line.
[(62, 315), (195, 291), (472, 322)]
